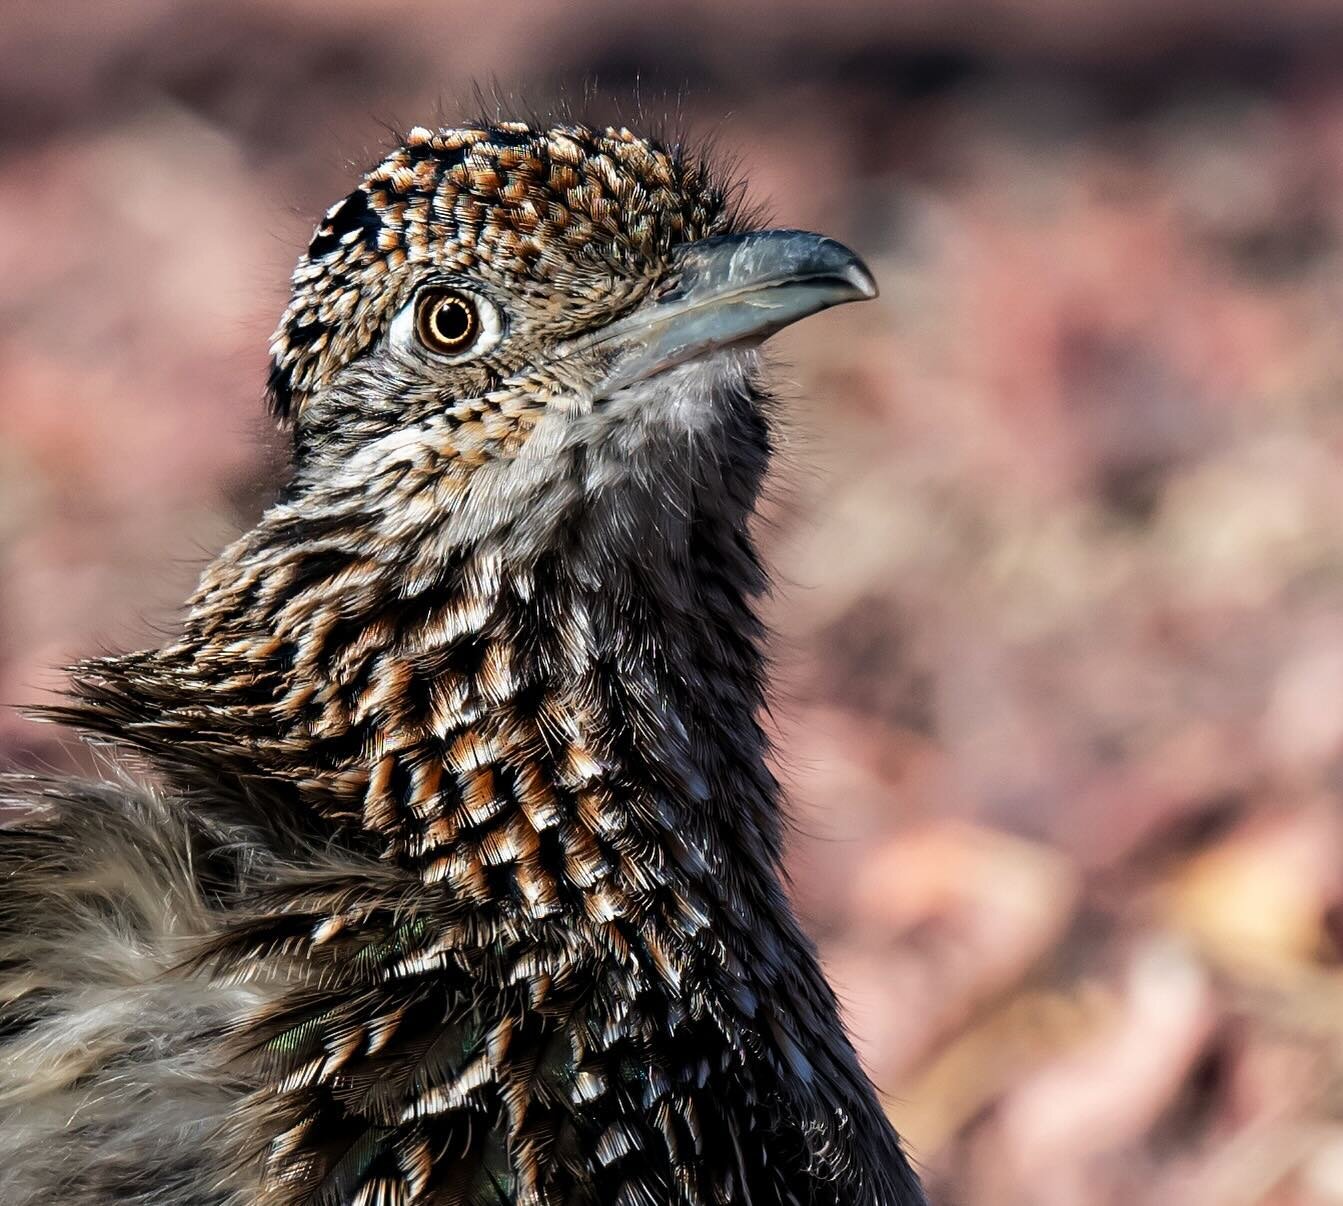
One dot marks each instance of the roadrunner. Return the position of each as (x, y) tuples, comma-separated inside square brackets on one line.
[(458, 879)]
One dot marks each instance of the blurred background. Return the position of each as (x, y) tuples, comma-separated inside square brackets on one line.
[(1059, 523)]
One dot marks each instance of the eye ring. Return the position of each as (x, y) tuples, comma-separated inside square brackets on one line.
[(447, 321)]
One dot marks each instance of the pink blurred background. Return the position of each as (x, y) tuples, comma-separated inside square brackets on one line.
[(1058, 529)]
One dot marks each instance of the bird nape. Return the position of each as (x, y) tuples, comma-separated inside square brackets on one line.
[(456, 874)]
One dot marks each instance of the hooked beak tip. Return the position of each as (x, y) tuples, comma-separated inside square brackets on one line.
[(860, 277)]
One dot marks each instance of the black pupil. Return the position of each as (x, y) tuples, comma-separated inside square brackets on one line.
[(453, 321)]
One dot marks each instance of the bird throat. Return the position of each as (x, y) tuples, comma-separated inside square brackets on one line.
[(540, 733), (538, 781)]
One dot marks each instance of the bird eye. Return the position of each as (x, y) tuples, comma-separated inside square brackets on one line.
[(453, 323), (446, 321)]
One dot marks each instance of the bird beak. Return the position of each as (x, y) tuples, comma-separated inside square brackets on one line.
[(729, 291)]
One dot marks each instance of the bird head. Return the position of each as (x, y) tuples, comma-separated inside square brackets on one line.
[(494, 300)]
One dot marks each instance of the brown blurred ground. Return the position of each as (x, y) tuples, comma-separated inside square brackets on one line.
[(1060, 544)]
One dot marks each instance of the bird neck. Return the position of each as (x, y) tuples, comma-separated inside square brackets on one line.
[(522, 710), (548, 730)]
